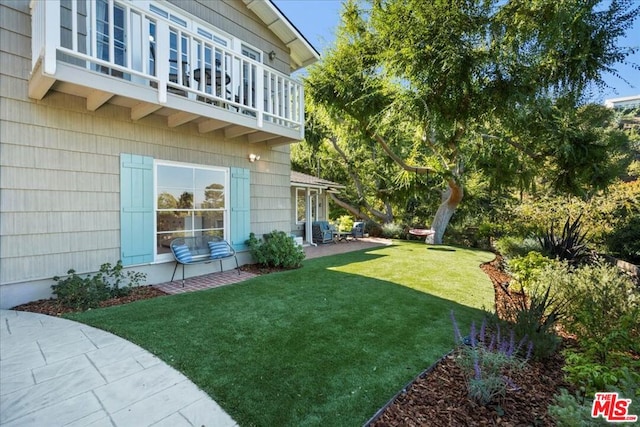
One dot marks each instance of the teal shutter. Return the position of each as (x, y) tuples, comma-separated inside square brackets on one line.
[(240, 217), (136, 209)]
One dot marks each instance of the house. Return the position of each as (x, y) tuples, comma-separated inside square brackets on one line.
[(630, 108), (125, 123), (310, 202), (626, 102)]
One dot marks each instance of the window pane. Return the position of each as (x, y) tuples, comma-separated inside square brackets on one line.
[(210, 219), (174, 176), (301, 205), (209, 189), (175, 198), (172, 221)]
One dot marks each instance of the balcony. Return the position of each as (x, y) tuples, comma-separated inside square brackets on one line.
[(150, 61)]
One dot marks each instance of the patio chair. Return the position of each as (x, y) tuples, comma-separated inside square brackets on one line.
[(357, 230), (321, 232)]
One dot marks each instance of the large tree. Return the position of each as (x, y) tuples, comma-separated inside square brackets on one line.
[(448, 87)]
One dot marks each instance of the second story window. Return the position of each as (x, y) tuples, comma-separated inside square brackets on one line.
[(105, 33)]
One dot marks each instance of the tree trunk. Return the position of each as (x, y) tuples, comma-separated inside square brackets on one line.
[(451, 198)]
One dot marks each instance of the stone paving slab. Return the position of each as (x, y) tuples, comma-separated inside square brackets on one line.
[(57, 372)]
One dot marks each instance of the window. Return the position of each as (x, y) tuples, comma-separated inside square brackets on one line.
[(217, 202), (103, 34), (301, 205), (190, 201), (251, 53)]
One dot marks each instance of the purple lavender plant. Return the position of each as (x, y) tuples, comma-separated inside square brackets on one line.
[(512, 344), (456, 329), (476, 366), (474, 341), (529, 350), (483, 329)]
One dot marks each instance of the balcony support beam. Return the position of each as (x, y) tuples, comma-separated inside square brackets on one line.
[(143, 110), (97, 98), (211, 125), (260, 137), (236, 131), (39, 84), (180, 118), (279, 141)]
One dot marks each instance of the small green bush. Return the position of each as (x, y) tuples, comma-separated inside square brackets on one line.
[(276, 249), (604, 308), (373, 229), (524, 270), (569, 411), (591, 376), (82, 293), (392, 231), (512, 247), (544, 307), (345, 223), (624, 242)]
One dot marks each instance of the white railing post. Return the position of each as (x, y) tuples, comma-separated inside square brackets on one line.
[(260, 95), (162, 59), (301, 109), (51, 9)]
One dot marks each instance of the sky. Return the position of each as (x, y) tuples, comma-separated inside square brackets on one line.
[(317, 20)]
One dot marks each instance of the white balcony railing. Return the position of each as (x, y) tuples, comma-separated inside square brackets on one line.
[(131, 41)]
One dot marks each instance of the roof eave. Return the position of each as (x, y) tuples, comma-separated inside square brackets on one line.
[(302, 52)]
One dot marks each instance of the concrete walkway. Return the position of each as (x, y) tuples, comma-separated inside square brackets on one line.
[(55, 372)]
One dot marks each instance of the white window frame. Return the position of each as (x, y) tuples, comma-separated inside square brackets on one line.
[(174, 16), (308, 194), (162, 257)]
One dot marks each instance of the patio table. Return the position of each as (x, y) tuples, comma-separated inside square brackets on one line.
[(341, 236)]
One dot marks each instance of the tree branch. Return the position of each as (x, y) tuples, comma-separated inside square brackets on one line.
[(516, 145), (416, 169), (355, 211), (358, 184)]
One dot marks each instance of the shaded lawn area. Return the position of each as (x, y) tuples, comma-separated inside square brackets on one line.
[(327, 344)]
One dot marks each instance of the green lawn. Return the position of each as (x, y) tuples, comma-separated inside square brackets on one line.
[(327, 344)]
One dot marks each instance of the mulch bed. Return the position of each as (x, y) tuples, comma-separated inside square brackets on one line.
[(439, 397), (53, 308)]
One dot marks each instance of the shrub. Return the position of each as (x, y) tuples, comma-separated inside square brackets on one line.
[(345, 223), (624, 242), (604, 308), (511, 247), (373, 228), (569, 411), (537, 315), (277, 249), (392, 231), (591, 376), (486, 365), (82, 293), (524, 270), (603, 213)]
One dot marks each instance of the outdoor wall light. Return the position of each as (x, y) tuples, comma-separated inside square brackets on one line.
[(253, 157), (272, 55)]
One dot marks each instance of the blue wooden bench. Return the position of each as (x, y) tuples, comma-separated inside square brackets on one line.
[(200, 250)]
